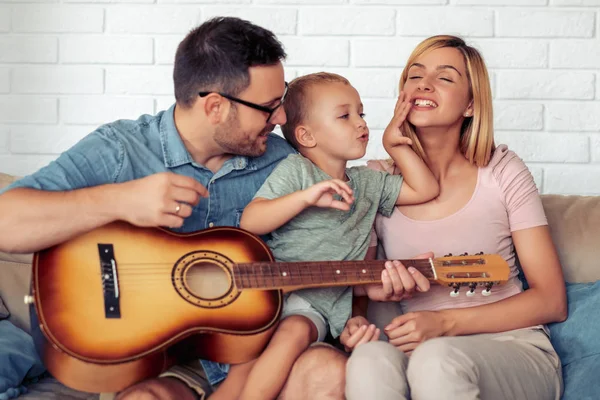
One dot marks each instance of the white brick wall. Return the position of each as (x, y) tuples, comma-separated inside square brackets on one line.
[(545, 85), (4, 19), (139, 80), (57, 79), (575, 54), (282, 21), (67, 66), (4, 80), (518, 116), (28, 110), (434, 20), (99, 109), (151, 19), (4, 133), (595, 145), (28, 49), (56, 18), (540, 23), (322, 52), (106, 50), (362, 21)]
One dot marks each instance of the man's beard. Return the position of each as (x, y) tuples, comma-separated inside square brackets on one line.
[(234, 140)]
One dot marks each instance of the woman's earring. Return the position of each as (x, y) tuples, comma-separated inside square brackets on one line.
[(467, 114)]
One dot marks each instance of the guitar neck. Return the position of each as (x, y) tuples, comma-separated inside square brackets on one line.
[(284, 275)]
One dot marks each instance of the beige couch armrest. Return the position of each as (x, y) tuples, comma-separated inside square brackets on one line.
[(15, 258), (15, 275), (15, 279), (6, 180), (575, 225)]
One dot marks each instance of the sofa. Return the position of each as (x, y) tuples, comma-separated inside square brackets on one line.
[(575, 226)]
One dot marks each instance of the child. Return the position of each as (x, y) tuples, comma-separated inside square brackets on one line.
[(318, 209)]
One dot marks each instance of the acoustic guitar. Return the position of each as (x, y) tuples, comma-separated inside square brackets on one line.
[(121, 304)]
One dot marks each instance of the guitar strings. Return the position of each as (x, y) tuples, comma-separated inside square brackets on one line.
[(249, 279), (318, 269), (284, 275), (287, 276), (358, 264)]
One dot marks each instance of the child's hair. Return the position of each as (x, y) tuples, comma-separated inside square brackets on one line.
[(297, 101), (477, 132)]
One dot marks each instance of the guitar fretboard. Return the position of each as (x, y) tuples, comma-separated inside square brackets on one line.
[(269, 275)]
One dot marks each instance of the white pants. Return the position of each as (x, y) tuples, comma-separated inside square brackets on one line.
[(514, 365)]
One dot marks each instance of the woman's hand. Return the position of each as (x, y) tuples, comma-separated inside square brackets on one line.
[(407, 331), (358, 331), (398, 282), (393, 136)]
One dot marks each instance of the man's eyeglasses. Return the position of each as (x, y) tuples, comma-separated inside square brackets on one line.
[(269, 110)]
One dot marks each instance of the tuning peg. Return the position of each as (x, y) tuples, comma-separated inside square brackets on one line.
[(454, 293), (471, 292), (488, 289), (479, 254), (448, 255), (465, 254)]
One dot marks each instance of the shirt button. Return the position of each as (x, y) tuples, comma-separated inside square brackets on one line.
[(210, 225)]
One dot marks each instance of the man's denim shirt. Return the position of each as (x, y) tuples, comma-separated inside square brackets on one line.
[(125, 150)]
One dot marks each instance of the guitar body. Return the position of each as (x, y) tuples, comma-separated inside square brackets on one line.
[(163, 299)]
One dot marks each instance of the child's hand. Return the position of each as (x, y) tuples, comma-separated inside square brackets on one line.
[(392, 136), (321, 195), (358, 331)]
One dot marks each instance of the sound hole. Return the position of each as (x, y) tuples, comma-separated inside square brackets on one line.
[(207, 280)]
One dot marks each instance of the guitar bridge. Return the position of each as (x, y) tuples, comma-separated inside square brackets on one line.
[(110, 281)]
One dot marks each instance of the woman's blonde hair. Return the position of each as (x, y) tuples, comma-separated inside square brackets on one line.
[(477, 132)]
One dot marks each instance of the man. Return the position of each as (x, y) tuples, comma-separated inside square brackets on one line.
[(191, 167)]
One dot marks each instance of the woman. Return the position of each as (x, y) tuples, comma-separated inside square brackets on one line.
[(470, 346)]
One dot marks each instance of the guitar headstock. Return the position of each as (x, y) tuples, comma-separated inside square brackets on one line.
[(471, 270)]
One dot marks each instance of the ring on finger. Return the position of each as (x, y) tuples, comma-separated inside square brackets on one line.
[(178, 208)]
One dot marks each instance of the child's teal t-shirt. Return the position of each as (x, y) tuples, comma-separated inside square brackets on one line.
[(325, 234)]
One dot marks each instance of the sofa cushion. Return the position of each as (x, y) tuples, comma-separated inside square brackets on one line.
[(14, 285), (3, 310), (18, 360), (576, 338), (574, 222), (6, 180), (581, 379), (575, 341), (49, 388)]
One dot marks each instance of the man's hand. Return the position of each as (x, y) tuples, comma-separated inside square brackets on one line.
[(321, 195), (409, 330), (393, 136), (398, 282), (163, 199), (358, 331)]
